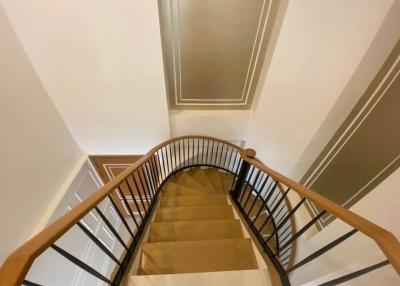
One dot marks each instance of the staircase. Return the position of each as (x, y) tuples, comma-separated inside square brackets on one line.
[(194, 229), (175, 201)]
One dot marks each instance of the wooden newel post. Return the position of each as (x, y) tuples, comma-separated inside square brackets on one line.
[(244, 170)]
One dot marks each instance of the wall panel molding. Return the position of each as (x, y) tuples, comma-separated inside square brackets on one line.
[(366, 148), (214, 50)]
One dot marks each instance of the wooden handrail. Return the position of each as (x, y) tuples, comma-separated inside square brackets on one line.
[(18, 263), (386, 241)]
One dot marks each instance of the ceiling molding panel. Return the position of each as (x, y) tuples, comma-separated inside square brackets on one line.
[(214, 50)]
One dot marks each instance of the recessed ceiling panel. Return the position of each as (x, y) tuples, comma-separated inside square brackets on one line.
[(213, 51)]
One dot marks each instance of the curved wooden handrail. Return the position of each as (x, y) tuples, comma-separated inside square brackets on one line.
[(18, 263), (386, 241)]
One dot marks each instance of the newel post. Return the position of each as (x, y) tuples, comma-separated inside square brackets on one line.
[(244, 170)]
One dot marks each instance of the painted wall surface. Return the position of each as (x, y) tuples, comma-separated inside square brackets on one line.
[(224, 124), (36, 149), (51, 268), (379, 206), (319, 48), (378, 52), (101, 64)]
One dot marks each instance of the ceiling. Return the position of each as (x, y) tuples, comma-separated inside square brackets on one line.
[(214, 50)]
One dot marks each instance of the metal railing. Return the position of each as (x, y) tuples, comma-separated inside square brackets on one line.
[(260, 194), (132, 195)]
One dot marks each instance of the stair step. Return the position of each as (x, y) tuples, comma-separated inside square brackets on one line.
[(215, 177), (197, 256), (197, 230), (227, 180), (184, 179), (223, 278), (182, 201), (200, 176), (172, 189), (194, 213)]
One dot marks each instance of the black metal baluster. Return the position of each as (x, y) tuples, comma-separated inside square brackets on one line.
[(159, 172), (98, 243), (216, 154), (252, 187), (208, 147), (168, 158), (140, 194), (258, 192), (287, 251), (284, 207), (192, 151), (112, 229), (226, 156), (179, 154), (188, 154), (215, 162), (143, 183), (355, 274), (171, 157), (322, 250), (275, 198), (282, 222), (212, 153), (152, 171), (162, 162), (143, 188), (149, 180), (284, 237), (301, 231), (153, 175), (121, 217), (230, 150), (155, 172), (133, 198), (117, 190), (203, 151), (246, 179), (81, 264), (234, 171), (266, 204), (176, 166), (197, 153), (239, 163), (222, 155)]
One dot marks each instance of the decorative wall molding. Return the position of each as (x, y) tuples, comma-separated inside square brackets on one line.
[(371, 125), (188, 84)]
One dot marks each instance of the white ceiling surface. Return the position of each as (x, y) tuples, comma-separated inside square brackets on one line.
[(320, 45), (101, 63)]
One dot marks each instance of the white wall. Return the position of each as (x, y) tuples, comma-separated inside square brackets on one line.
[(50, 268), (101, 63), (320, 45), (225, 124), (36, 149), (377, 53), (379, 206)]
